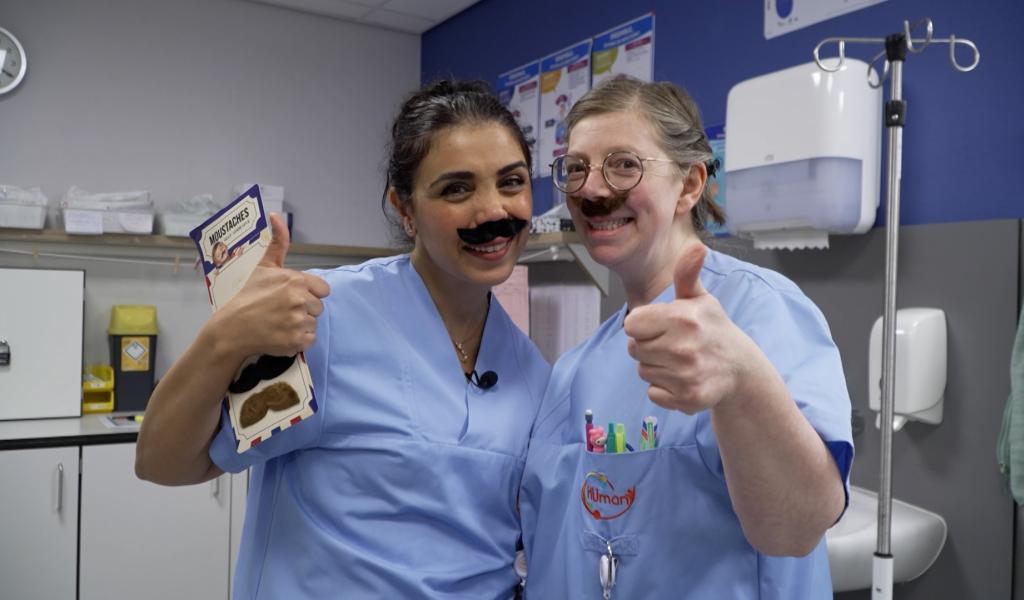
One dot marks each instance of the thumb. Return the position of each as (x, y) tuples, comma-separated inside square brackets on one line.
[(279, 240), (687, 274)]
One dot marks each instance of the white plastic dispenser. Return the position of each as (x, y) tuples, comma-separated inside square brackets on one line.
[(920, 366), (802, 154)]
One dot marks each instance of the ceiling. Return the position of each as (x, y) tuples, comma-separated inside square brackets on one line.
[(411, 16)]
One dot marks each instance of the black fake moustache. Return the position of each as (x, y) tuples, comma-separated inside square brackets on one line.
[(486, 232), (267, 367)]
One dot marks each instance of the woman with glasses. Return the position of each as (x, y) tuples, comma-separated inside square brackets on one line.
[(697, 445), (403, 484)]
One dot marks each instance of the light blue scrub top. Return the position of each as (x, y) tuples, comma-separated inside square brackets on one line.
[(666, 511), (404, 483)]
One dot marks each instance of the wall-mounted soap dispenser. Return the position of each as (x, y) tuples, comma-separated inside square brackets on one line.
[(920, 366)]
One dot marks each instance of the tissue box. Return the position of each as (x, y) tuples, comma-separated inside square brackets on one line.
[(95, 222), (22, 216)]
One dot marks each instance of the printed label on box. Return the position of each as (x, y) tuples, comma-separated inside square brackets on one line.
[(134, 354), (269, 394)]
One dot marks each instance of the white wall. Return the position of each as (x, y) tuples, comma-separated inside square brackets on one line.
[(182, 97), (188, 96)]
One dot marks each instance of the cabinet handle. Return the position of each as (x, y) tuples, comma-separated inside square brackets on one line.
[(215, 487), (60, 487)]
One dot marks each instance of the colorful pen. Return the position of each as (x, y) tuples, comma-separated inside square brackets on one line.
[(588, 415), (620, 437)]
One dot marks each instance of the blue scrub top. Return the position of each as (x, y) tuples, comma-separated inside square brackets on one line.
[(666, 512), (404, 483)]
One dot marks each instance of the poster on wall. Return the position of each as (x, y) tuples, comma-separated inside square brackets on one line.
[(625, 51), (784, 16), (519, 90), (564, 77), (716, 138)]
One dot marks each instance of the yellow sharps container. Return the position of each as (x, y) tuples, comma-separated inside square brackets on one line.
[(132, 336)]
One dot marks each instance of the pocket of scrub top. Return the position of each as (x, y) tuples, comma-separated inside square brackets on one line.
[(645, 493), (665, 506)]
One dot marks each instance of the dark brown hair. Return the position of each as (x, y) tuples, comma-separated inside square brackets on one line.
[(435, 107)]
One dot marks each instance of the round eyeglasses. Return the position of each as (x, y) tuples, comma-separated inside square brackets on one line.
[(622, 171)]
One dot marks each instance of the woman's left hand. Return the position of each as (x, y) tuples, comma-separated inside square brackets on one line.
[(693, 356)]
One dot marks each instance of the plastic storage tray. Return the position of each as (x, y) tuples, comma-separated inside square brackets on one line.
[(89, 221), (22, 216)]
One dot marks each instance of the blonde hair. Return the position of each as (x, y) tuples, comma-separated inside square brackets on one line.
[(675, 120)]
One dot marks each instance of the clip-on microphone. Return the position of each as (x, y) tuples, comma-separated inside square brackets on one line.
[(485, 381)]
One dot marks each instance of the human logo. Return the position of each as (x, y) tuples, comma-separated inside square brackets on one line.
[(600, 498)]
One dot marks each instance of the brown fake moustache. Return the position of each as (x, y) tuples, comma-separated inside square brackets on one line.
[(490, 230), (267, 367), (602, 207), (276, 396)]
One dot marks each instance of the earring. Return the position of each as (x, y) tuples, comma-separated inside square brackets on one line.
[(407, 225)]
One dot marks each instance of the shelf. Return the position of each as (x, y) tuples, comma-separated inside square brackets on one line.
[(540, 247), (56, 236)]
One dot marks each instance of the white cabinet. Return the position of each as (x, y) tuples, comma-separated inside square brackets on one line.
[(38, 523), (141, 540)]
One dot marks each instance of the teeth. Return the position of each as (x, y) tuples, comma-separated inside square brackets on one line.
[(609, 225), (493, 248)]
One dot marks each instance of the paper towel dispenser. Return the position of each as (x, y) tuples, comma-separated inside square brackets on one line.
[(802, 155)]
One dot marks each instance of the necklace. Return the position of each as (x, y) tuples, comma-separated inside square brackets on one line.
[(460, 347)]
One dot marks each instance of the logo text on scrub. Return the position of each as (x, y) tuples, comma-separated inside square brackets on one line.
[(600, 500)]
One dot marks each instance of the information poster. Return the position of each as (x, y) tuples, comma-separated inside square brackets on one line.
[(564, 77), (625, 51), (784, 16), (519, 90), (716, 138)]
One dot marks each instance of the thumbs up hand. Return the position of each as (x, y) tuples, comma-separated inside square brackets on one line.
[(275, 311), (279, 242), (688, 350)]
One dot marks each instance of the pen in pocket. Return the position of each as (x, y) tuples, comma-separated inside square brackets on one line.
[(589, 418)]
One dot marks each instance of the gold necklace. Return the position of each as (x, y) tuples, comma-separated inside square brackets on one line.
[(463, 357), (460, 347)]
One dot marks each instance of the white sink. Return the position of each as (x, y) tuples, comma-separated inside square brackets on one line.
[(917, 538)]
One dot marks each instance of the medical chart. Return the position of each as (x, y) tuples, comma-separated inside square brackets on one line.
[(625, 51), (784, 16), (519, 90), (564, 77), (269, 393)]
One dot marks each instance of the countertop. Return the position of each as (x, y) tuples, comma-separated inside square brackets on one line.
[(71, 431)]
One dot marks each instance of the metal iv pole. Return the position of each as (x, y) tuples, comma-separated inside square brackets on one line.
[(895, 52)]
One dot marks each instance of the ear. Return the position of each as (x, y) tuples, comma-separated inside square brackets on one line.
[(693, 186), (400, 207)]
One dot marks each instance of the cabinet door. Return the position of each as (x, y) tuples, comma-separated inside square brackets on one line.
[(142, 540), (38, 523)]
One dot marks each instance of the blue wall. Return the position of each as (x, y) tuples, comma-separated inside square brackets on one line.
[(965, 131)]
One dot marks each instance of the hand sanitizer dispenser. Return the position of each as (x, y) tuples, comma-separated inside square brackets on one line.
[(802, 155), (920, 366)]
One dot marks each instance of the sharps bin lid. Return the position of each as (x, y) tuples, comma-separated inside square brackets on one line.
[(132, 319)]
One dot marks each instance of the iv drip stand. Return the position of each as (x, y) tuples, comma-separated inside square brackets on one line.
[(895, 113), (896, 47)]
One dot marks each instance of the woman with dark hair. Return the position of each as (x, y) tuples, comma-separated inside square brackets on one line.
[(403, 484)]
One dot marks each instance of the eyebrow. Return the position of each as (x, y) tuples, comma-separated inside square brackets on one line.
[(460, 175)]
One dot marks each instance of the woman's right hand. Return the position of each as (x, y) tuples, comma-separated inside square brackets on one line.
[(275, 311)]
